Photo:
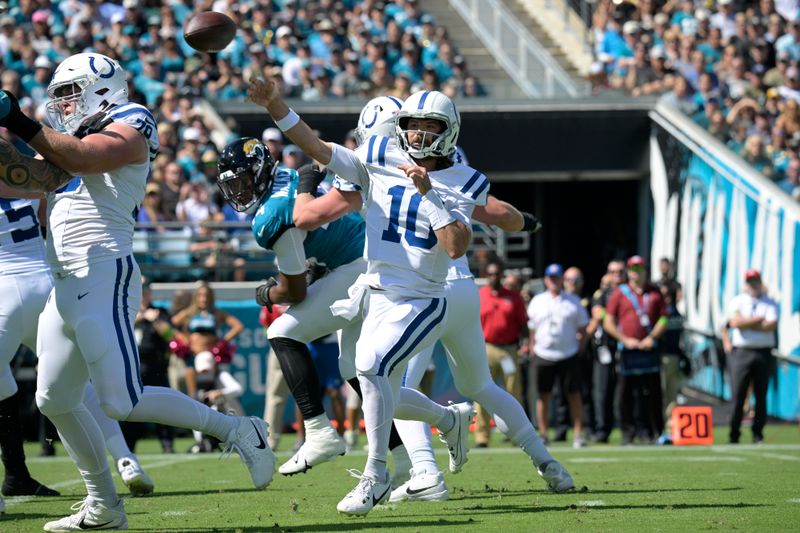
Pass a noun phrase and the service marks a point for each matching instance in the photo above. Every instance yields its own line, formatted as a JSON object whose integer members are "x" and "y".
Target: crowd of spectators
{"x": 731, "y": 65}
{"x": 317, "y": 48}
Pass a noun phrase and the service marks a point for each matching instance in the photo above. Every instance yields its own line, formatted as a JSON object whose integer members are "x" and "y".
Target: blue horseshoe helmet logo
{"x": 110, "y": 66}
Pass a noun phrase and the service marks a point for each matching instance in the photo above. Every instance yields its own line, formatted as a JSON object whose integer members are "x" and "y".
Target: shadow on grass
{"x": 489, "y": 494}
{"x": 350, "y": 524}
{"x": 482, "y": 509}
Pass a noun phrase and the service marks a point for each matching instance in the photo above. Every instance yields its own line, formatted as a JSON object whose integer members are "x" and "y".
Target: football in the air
{"x": 209, "y": 31}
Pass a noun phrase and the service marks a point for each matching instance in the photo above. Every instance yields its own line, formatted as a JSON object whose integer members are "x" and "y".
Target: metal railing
{"x": 525, "y": 60}
{"x": 226, "y": 251}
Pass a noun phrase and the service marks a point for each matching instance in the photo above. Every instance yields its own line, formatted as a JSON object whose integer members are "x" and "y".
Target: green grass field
{"x": 720, "y": 488}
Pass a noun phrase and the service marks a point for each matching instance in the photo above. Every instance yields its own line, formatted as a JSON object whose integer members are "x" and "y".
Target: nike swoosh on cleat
{"x": 376, "y": 501}
{"x": 84, "y": 525}
{"x": 80, "y": 296}
{"x": 261, "y": 444}
{"x": 412, "y": 492}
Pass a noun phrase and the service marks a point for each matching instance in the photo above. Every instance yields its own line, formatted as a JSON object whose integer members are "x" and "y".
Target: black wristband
{"x": 530, "y": 223}
{"x": 262, "y": 294}
{"x": 309, "y": 178}
{"x": 24, "y": 127}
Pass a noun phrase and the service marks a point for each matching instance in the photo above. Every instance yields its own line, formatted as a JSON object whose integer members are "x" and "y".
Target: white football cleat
{"x": 91, "y": 515}
{"x": 249, "y": 439}
{"x": 366, "y": 495}
{"x": 134, "y": 477}
{"x": 556, "y": 476}
{"x": 456, "y": 438}
{"x": 422, "y": 487}
{"x": 320, "y": 446}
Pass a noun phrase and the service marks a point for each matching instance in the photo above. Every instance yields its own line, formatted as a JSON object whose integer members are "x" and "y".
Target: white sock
{"x": 417, "y": 440}
{"x": 512, "y": 420}
{"x": 414, "y": 405}
{"x": 318, "y": 423}
{"x": 112, "y": 433}
{"x": 167, "y": 406}
{"x": 118, "y": 448}
{"x": 402, "y": 462}
{"x": 378, "y": 408}
{"x": 83, "y": 440}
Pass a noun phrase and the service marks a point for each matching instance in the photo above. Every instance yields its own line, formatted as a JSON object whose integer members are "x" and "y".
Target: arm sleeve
{"x": 230, "y": 387}
{"x": 346, "y": 164}
{"x": 289, "y": 252}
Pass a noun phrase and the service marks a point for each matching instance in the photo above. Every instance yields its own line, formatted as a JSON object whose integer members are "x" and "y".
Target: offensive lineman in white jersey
{"x": 94, "y": 174}
{"x": 402, "y": 290}
{"x": 26, "y": 282}
{"x": 465, "y": 345}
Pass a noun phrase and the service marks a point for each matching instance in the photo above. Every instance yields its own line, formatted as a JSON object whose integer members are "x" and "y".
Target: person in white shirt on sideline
{"x": 753, "y": 318}
{"x": 557, "y": 335}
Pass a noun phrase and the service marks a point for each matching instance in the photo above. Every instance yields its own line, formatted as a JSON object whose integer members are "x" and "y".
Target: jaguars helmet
{"x": 429, "y": 105}
{"x": 84, "y": 85}
{"x": 377, "y": 118}
{"x": 244, "y": 172}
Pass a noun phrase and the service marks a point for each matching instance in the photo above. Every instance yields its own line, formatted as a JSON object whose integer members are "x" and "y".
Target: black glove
{"x": 315, "y": 270}
{"x": 310, "y": 178}
{"x": 16, "y": 121}
{"x": 531, "y": 224}
{"x": 262, "y": 293}
{"x": 93, "y": 124}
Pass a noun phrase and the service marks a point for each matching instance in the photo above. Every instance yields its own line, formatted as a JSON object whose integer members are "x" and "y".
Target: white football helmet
{"x": 82, "y": 86}
{"x": 430, "y": 105}
{"x": 377, "y": 118}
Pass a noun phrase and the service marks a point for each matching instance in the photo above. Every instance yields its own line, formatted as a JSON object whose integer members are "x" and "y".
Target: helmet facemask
{"x": 429, "y": 144}
{"x": 67, "y": 108}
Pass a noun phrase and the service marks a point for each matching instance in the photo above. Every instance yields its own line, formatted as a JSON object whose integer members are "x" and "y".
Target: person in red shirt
{"x": 636, "y": 316}
{"x": 504, "y": 320}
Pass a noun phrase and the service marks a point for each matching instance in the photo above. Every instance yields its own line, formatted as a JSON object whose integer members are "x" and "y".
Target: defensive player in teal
{"x": 248, "y": 176}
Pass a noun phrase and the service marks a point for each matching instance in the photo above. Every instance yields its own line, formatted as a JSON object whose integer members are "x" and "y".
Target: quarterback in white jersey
{"x": 416, "y": 222}
{"x": 94, "y": 173}
{"x": 465, "y": 348}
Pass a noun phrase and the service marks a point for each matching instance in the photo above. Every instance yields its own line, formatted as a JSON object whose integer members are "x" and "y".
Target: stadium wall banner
{"x": 716, "y": 217}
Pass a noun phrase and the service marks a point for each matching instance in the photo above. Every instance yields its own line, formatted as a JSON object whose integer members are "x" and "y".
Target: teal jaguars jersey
{"x": 335, "y": 244}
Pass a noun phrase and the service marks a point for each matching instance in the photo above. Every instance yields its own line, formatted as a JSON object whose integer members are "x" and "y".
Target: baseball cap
{"x": 554, "y": 270}
{"x": 272, "y": 134}
{"x": 130, "y": 4}
{"x": 752, "y": 275}
{"x": 630, "y": 27}
{"x": 724, "y": 2}
{"x": 283, "y": 31}
{"x": 40, "y": 15}
{"x": 204, "y": 361}
{"x": 657, "y": 52}
{"x": 292, "y": 150}
{"x": 636, "y": 260}
{"x": 42, "y": 62}
{"x": 191, "y": 134}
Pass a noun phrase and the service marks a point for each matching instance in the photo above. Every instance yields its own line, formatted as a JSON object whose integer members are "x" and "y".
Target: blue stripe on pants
{"x": 120, "y": 337}
{"x": 413, "y": 346}
{"x": 128, "y": 328}
{"x": 418, "y": 320}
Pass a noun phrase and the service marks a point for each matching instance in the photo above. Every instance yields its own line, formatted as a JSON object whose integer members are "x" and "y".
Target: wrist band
{"x": 432, "y": 207}
{"x": 289, "y": 121}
